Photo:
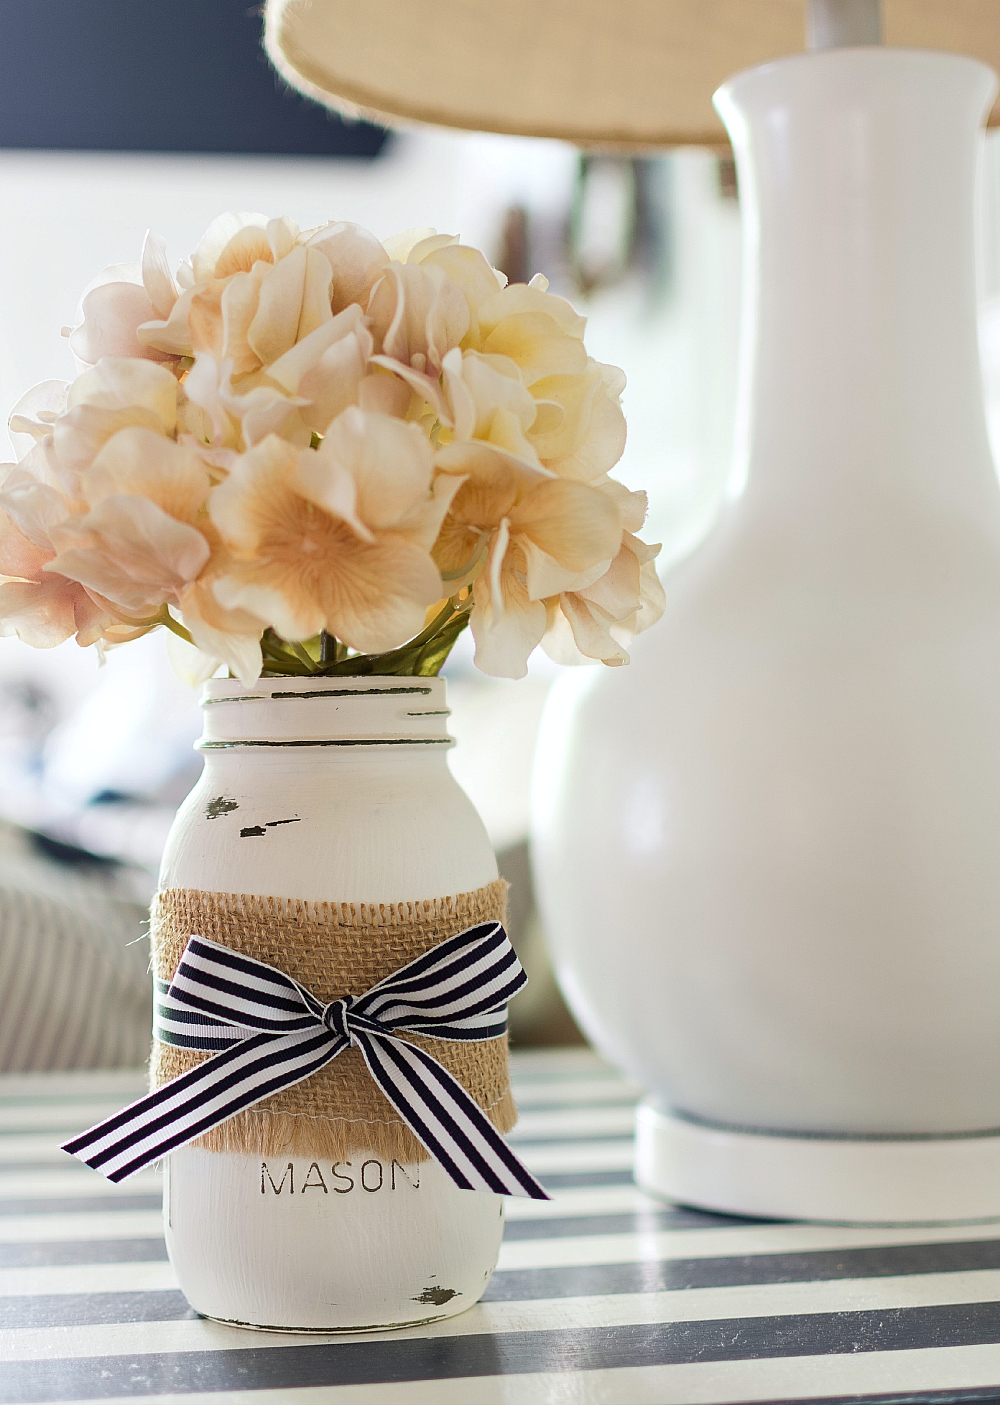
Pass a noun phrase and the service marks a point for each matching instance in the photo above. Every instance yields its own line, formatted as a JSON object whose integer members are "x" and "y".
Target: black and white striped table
{"x": 603, "y": 1296}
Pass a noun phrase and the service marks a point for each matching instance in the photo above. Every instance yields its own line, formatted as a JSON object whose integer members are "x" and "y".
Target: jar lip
{"x": 377, "y": 710}
{"x": 291, "y": 689}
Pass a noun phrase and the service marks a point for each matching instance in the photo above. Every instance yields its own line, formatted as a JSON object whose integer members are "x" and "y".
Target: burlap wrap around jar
{"x": 333, "y": 950}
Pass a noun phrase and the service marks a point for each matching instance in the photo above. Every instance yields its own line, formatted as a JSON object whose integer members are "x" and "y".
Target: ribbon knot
{"x": 335, "y": 1016}
{"x": 267, "y": 1032}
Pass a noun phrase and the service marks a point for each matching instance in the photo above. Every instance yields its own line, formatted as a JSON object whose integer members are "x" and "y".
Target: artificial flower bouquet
{"x": 315, "y": 453}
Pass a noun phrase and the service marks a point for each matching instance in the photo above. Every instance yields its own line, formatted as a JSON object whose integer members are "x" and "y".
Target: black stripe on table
{"x": 920, "y": 1397}
{"x": 512, "y": 1353}
{"x": 746, "y": 1270}
{"x": 525, "y": 1285}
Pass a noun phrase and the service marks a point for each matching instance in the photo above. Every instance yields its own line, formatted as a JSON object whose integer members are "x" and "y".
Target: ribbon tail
{"x": 196, "y": 1101}
{"x": 445, "y": 1119}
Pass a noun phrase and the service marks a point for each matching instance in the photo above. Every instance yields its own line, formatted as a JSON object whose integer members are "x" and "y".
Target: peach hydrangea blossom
{"x": 314, "y": 451}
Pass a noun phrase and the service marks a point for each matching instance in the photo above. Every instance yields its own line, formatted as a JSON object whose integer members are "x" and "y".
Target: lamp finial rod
{"x": 843, "y": 24}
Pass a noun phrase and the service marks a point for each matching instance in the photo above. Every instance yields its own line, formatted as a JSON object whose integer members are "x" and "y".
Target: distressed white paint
{"x": 342, "y": 823}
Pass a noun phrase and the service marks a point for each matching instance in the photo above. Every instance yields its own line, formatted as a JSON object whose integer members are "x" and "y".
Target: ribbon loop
{"x": 267, "y": 1032}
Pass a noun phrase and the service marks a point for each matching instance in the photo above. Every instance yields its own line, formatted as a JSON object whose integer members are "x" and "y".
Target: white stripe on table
{"x": 59, "y": 1118}
{"x": 559, "y": 1063}
{"x": 111, "y": 1083}
{"x": 85, "y": 1224}
{"x": 712, "y": 1383}
{"x": 58, "y": 1182}
{"x": 133, "y": 1277}
{"x": 575, "y": 1122}
{"x": 593, "y": 1091}
{"x": 560, "y": 1157}
{"x": 35, "y": 1146}
{"x": 539, "y": 1315}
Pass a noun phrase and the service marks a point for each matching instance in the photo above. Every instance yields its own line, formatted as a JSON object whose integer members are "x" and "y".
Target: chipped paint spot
{"x": 252, "y": 830}
{"x": 221, "y": 805}
{"x": 436, "y": 1297}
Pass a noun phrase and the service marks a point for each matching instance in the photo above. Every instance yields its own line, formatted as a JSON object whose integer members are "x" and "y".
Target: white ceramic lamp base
{"x": 876, "y": 1180}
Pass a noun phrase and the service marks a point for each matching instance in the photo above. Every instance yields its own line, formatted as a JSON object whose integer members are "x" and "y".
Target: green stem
{"x": 175, "y": 626}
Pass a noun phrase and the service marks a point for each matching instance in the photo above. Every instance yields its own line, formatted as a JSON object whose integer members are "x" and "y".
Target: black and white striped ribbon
{"x": 267, "y": 1031}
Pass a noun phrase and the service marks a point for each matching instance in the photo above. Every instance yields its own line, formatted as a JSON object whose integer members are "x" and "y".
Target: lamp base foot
{"x": 853, "y": 1180}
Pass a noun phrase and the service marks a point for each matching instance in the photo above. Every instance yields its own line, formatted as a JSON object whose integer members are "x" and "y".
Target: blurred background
{"x": 117, "y": 117}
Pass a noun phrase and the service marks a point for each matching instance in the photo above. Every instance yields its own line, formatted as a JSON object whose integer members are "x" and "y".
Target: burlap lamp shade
{"x": 614, "y": 73}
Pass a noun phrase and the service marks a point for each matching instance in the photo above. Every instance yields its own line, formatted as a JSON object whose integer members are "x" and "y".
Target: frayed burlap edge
{"x": 334, "y": 949}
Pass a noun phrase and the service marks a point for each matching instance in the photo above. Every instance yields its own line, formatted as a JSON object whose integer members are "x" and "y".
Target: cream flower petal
{"x": 238, "y": 306}
{"x": 545, "y": 577}
{"x": 293, "y": 614}
{"x": 275, "y": 326}
{"x": 504, "y": 640}
{"x": 265, "y": 411}
{"x": 139, "y": 462}
{"x": 239, "y": 650}
{"x": 537, "y": 344}
{"x": 315, "y": 294}
{"x": 426, "y": 386}
{"x": 400, "y": 246}
{"x": 652, "y": 597}
{"x": 616, "y": 590}
{"x": 79, "y": 435}
{"x": 356, "y": 258}
{"x": 41, "y": 614}
{"x": 282, "y": 234}
{"x": 461, "y": 403}
{"x": 592, "y": 631}
{"x": 494, "y": 572}
{"x": 417, "y": 315}
{"x": 390, "y": 461}
{"x": 118, "y": 384}
{"x": 172, "y": 336}
{"x": 633, "y": 506}
{"x": 517, "y": 299}
{"x": 378, "y": 596}
{"x": 469, "y": 271}
{"x": 189, "y": 663}
{"x": 48, "y": 398}
{"x": 218, "y": 234}
{"x": 384, "y": 395}
{"x": 330, "y": 486}
{"x": 156, "y": 276}
{"x": 112, "y": 316}
{"x": 334, "y": 382}
{"x": 254, "y": 501}
{"x": 36, "y": 508}
{"x": 574, "y": 524}
{"x": 289, "y": 369}
{"x": 422, "y": 524}
{"x": 130, "y": 551}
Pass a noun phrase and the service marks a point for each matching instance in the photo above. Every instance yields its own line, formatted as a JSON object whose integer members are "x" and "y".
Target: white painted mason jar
{"x": 361, "y": 765}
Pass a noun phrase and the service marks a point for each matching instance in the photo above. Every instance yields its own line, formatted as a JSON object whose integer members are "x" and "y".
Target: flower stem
{"x": 175, "y": 626}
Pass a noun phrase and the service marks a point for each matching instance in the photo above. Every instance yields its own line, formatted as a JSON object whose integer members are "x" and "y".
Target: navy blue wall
{"x": 155, "y": 75}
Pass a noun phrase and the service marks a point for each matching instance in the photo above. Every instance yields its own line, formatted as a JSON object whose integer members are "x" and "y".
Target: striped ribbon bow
{"x": 267, "y": 1032}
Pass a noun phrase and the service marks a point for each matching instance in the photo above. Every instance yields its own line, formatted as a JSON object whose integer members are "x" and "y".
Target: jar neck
{"x": 325, "y": 715}
{"x": 860, "y": 375}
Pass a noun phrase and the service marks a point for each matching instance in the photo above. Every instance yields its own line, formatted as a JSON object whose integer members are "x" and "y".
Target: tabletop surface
{"x": 602, "y": 1295}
